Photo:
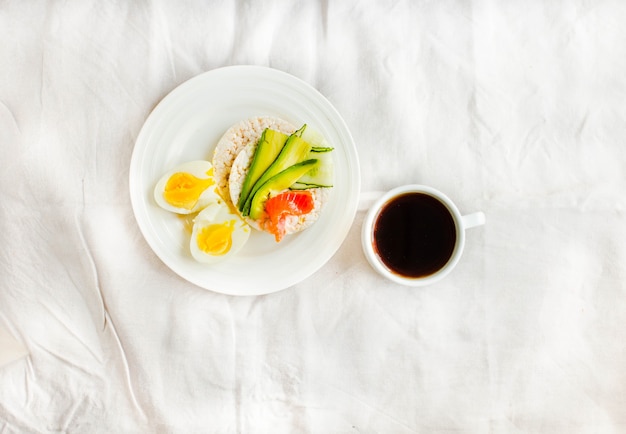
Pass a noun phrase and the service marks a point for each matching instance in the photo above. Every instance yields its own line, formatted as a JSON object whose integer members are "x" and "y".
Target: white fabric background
{"x": 515, "y": 108}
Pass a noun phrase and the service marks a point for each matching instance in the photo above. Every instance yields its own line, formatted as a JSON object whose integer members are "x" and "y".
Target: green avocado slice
{"x": 279, "y": 182}
{"x": 294, "y": 151}
{"x": 268, "y": 148}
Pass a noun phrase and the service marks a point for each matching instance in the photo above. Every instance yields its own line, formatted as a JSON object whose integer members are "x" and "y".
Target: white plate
{"x": 187, "y": 124}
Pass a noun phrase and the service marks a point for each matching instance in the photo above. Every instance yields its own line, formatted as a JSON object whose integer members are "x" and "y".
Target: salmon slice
{"x": 283, "y": 205}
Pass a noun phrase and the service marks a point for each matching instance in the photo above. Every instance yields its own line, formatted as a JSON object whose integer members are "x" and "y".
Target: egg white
{"x": 218, "y": 213}
{"x": 199, "y": 169}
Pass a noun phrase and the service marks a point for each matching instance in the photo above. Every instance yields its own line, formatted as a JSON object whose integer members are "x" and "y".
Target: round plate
{"x": 187, "y": 124}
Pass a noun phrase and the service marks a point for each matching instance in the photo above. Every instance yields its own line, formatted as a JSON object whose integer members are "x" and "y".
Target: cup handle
{"x": 472, "y": 220}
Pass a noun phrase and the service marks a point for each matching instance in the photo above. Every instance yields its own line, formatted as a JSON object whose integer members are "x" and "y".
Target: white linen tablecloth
{"x": 515, "y": 108}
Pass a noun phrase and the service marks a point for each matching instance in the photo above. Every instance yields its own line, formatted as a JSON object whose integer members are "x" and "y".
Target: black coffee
{"x": 414, "y": 235}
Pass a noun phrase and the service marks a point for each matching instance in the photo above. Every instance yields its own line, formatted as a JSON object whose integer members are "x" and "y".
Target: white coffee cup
{"x": 455, "y": 230}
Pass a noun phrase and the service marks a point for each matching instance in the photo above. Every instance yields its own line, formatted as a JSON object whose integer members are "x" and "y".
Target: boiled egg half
{"x": 187, "y": 188}
{"x": 218, "y": 233}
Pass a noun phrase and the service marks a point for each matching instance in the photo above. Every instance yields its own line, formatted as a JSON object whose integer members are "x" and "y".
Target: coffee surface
{"x": 414, "y": 235}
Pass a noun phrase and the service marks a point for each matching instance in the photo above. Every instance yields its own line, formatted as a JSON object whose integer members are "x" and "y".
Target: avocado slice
{"x": 294, "y": 151}
{"x": 268, "y": 148}
{"x": 279, "y": 182}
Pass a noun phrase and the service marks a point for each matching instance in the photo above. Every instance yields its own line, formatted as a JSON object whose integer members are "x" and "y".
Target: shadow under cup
{"x": 415, "y": 235}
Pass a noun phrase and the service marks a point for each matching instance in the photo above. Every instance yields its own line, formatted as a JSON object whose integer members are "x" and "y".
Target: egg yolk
{"x": 183, "y": 190}
{"x": 216, "y": 239}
